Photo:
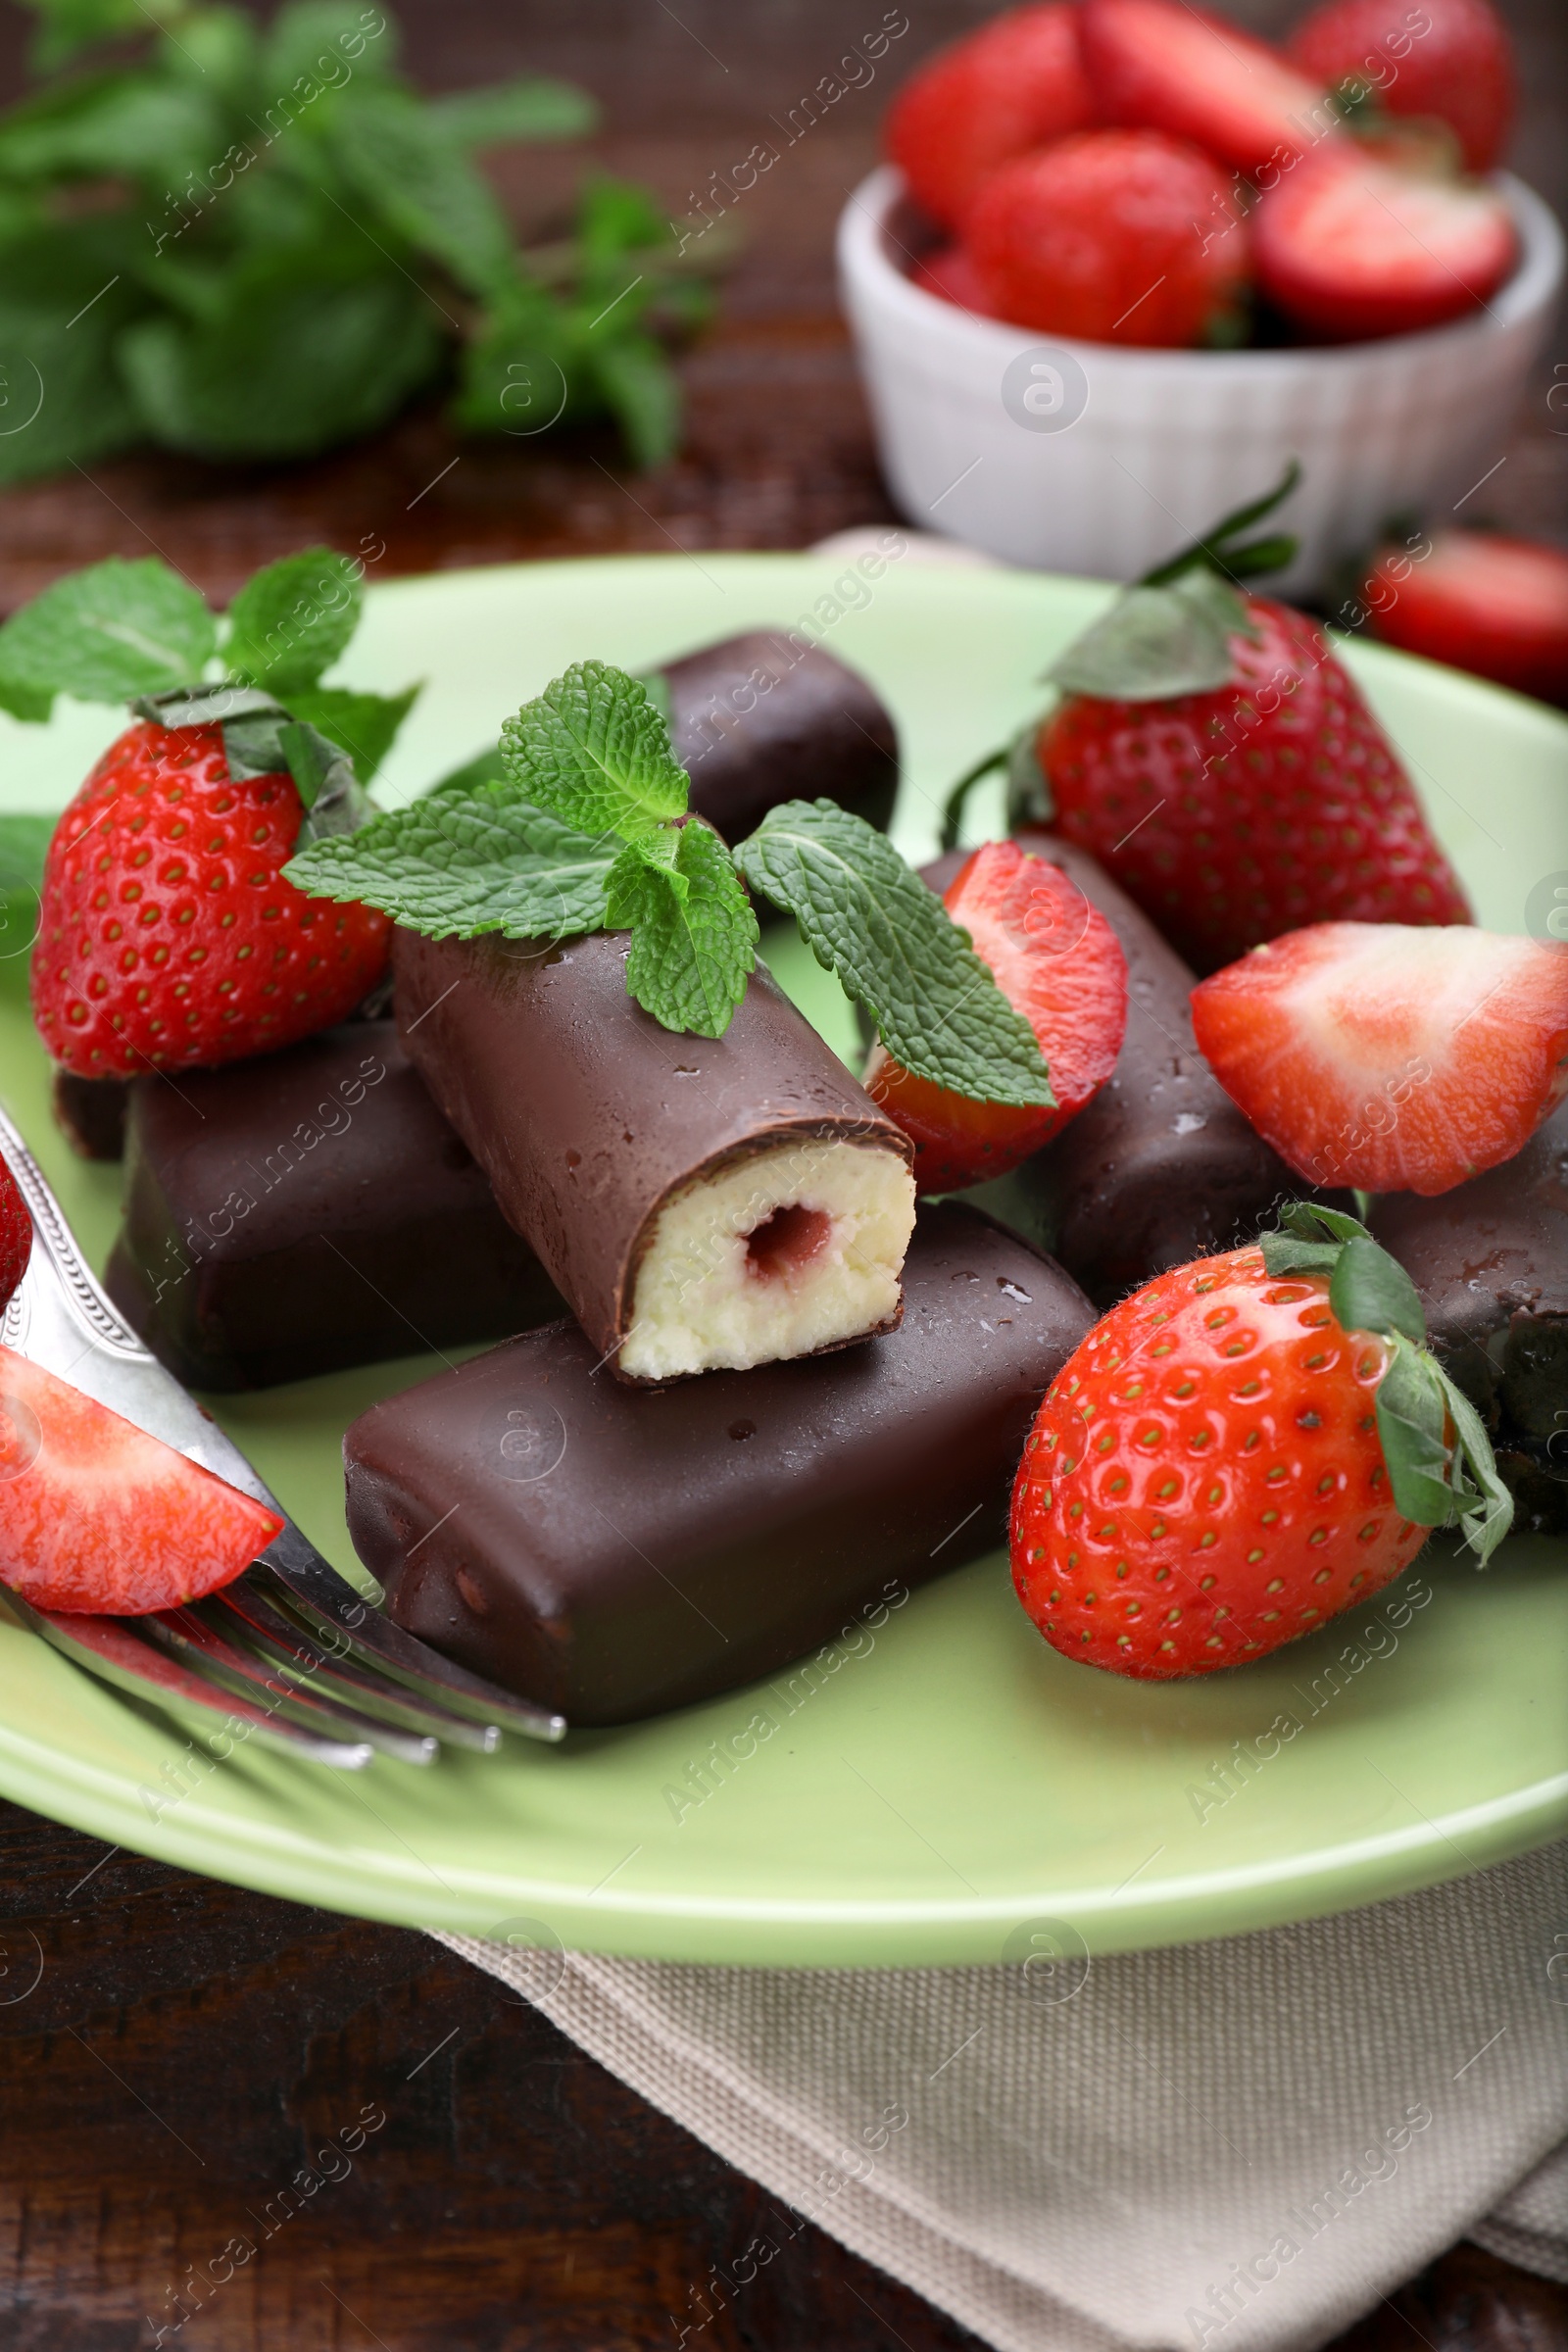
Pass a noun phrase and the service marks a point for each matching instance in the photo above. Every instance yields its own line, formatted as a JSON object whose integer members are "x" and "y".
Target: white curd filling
{"x": 780, "y": 1255}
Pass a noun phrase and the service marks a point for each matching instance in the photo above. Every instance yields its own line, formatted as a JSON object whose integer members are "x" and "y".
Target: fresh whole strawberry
{"x": 1239, "y": 1450}
{"x": 1168, "y": 67}
{"x": 1016, "y": 83}
{"x": 167, "y": 933}
{"x": 16, "y": 1234}
{"x": 1215, "y": 758}
{"x": 1396, "y": 1061}
{"x": 1112, "y": 236}
{"x": 1060, "y": 963}
{"x": 1451, "y": 58}
{"x": 1366, "y": 238}
{"x": 1482, "y": 602}
{"x": 97, "y": 1516}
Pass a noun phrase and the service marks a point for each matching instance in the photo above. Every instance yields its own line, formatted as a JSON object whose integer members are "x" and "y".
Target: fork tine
{"x": 109, "y": 1650}
{"x": 243, "y": 1613}
{"x": 329, "y": 1604}
{"x": 196, "y": 1645}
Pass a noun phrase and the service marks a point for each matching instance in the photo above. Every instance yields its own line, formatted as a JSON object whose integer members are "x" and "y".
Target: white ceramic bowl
{"x": 1089, "y": 457}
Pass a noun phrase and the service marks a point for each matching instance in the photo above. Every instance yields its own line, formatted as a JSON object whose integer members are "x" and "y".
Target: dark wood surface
{"x": 173, "y": 2051}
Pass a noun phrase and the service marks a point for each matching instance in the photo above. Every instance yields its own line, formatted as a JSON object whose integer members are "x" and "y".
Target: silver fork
{"x": 290, "y": 1651}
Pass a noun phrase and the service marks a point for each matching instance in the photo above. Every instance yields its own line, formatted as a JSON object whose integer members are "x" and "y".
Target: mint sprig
{"x": 1440, "y": 1460}
{"x": 866, "y": 916}
{"x": 587, "y": 829}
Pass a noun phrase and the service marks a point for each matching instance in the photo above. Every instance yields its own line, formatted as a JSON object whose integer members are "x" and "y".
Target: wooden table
{"x": 173, "y": 2051}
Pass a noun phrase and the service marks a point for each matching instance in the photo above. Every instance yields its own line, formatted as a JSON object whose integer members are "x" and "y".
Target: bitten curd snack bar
{"x": 699, "y": 1202}
{"x": 613, "y": 1551}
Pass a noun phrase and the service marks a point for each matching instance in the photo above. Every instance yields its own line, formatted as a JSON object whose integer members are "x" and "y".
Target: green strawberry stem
{"x": 1440, "y": 1459}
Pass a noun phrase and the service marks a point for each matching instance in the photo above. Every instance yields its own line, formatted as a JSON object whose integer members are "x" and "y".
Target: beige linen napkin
{"x": 1243, "y": 2143}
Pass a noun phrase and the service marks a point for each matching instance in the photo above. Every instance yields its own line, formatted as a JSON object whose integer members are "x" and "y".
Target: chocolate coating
{"x": 587, "y": 1117}
{"x": 1160, "y": 1167}
{"x": 90, "y": 1114}
{"x": 616, "y": 1552}
{"x": 1490, "y": 1260}
{"x": 307, "y": 1211}
{"x": 763, "y": 718}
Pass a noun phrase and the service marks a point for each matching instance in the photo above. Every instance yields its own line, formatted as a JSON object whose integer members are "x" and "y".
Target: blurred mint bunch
{"x": 247, "y": 242}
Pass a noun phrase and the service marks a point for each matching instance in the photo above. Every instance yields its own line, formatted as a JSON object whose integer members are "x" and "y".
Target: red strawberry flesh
{"x": 1204, "y": 1480}
{"x": 16, "y": 1234}
{"x": 1390, "y": 1059}
{"x": 1356, "y": 243}
{"x": 1058, "y": 962}
{"x": 1482, "y": 602}
{"x": 1168, "y": 67}
{"x": 96, "y": 1516}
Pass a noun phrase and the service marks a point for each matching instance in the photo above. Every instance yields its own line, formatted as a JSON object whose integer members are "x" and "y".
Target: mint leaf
{"x": 642, "y": 392}
{"x": 293, "y": 619}
{"x": 867, "y": 917}
{"x": 693, "y": 932}
{"x": 593, "y": 751}
{"x": 115, "y": 630}
{"x": 365, "y": 724}
{"x": 461, "y": 864}
{"x": 514, "y": 112}
{"x": 421, "y": 181}
{"x": 483, "y": 768}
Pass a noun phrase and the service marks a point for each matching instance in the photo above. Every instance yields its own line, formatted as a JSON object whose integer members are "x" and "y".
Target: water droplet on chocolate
{"x": 742, "y": 1429}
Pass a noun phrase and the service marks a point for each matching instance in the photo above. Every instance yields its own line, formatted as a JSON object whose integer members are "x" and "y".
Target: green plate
{"x": 943, "y": 1787}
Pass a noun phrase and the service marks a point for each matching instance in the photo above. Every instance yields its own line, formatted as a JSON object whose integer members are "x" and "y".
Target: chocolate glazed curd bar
{"x": 1160, "y": 1167}
{"x": 613, "y": 1551}
{"x": 765, "y": 717}
{"x": 307, "y": 1211}
{"x": 699, "y": 1202}
{"x": 1490, "y": 1260}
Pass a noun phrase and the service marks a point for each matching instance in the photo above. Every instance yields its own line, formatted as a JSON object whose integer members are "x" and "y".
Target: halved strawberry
{"x": 1014, "y": 85}
{"x": 1449, "y": 58}
{"x": 1060, "y": 963}
{"x": 1395, "y": 1059}
{"x": 1377, "y": 237}
{"x": 16, "y": 1234}
{"x": 1486, "y": 602}
{"x": 1165, "y": 65}
{"x": 96, "y": 1516}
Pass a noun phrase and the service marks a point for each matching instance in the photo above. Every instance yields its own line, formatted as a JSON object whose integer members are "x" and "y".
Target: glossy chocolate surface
{"x": 307, "y": 1211}
{"x": 586, "y": 1114}
{"x": 1490, "y": 1260}
{"x": 765, "y": 718}
{"x": 90, "y": 1114}
{"x": 1160, "y": 1167}
{"x": 616, "y": 1552}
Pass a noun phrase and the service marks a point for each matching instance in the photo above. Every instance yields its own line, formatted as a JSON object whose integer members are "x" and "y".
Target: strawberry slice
{"x": 16, "y": 1234}
{"x": 1395, "y": 1059}
{"x": 1377, "y": 237}
{"x": 97, "y": 1517}
{"x": 1486, "y": 602}
{"x": 1058, "y": 962}
{"x": 1164, "y": 65}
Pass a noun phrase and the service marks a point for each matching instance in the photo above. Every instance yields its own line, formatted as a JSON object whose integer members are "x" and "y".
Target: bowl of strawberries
{"x": 1127, "y": 261}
